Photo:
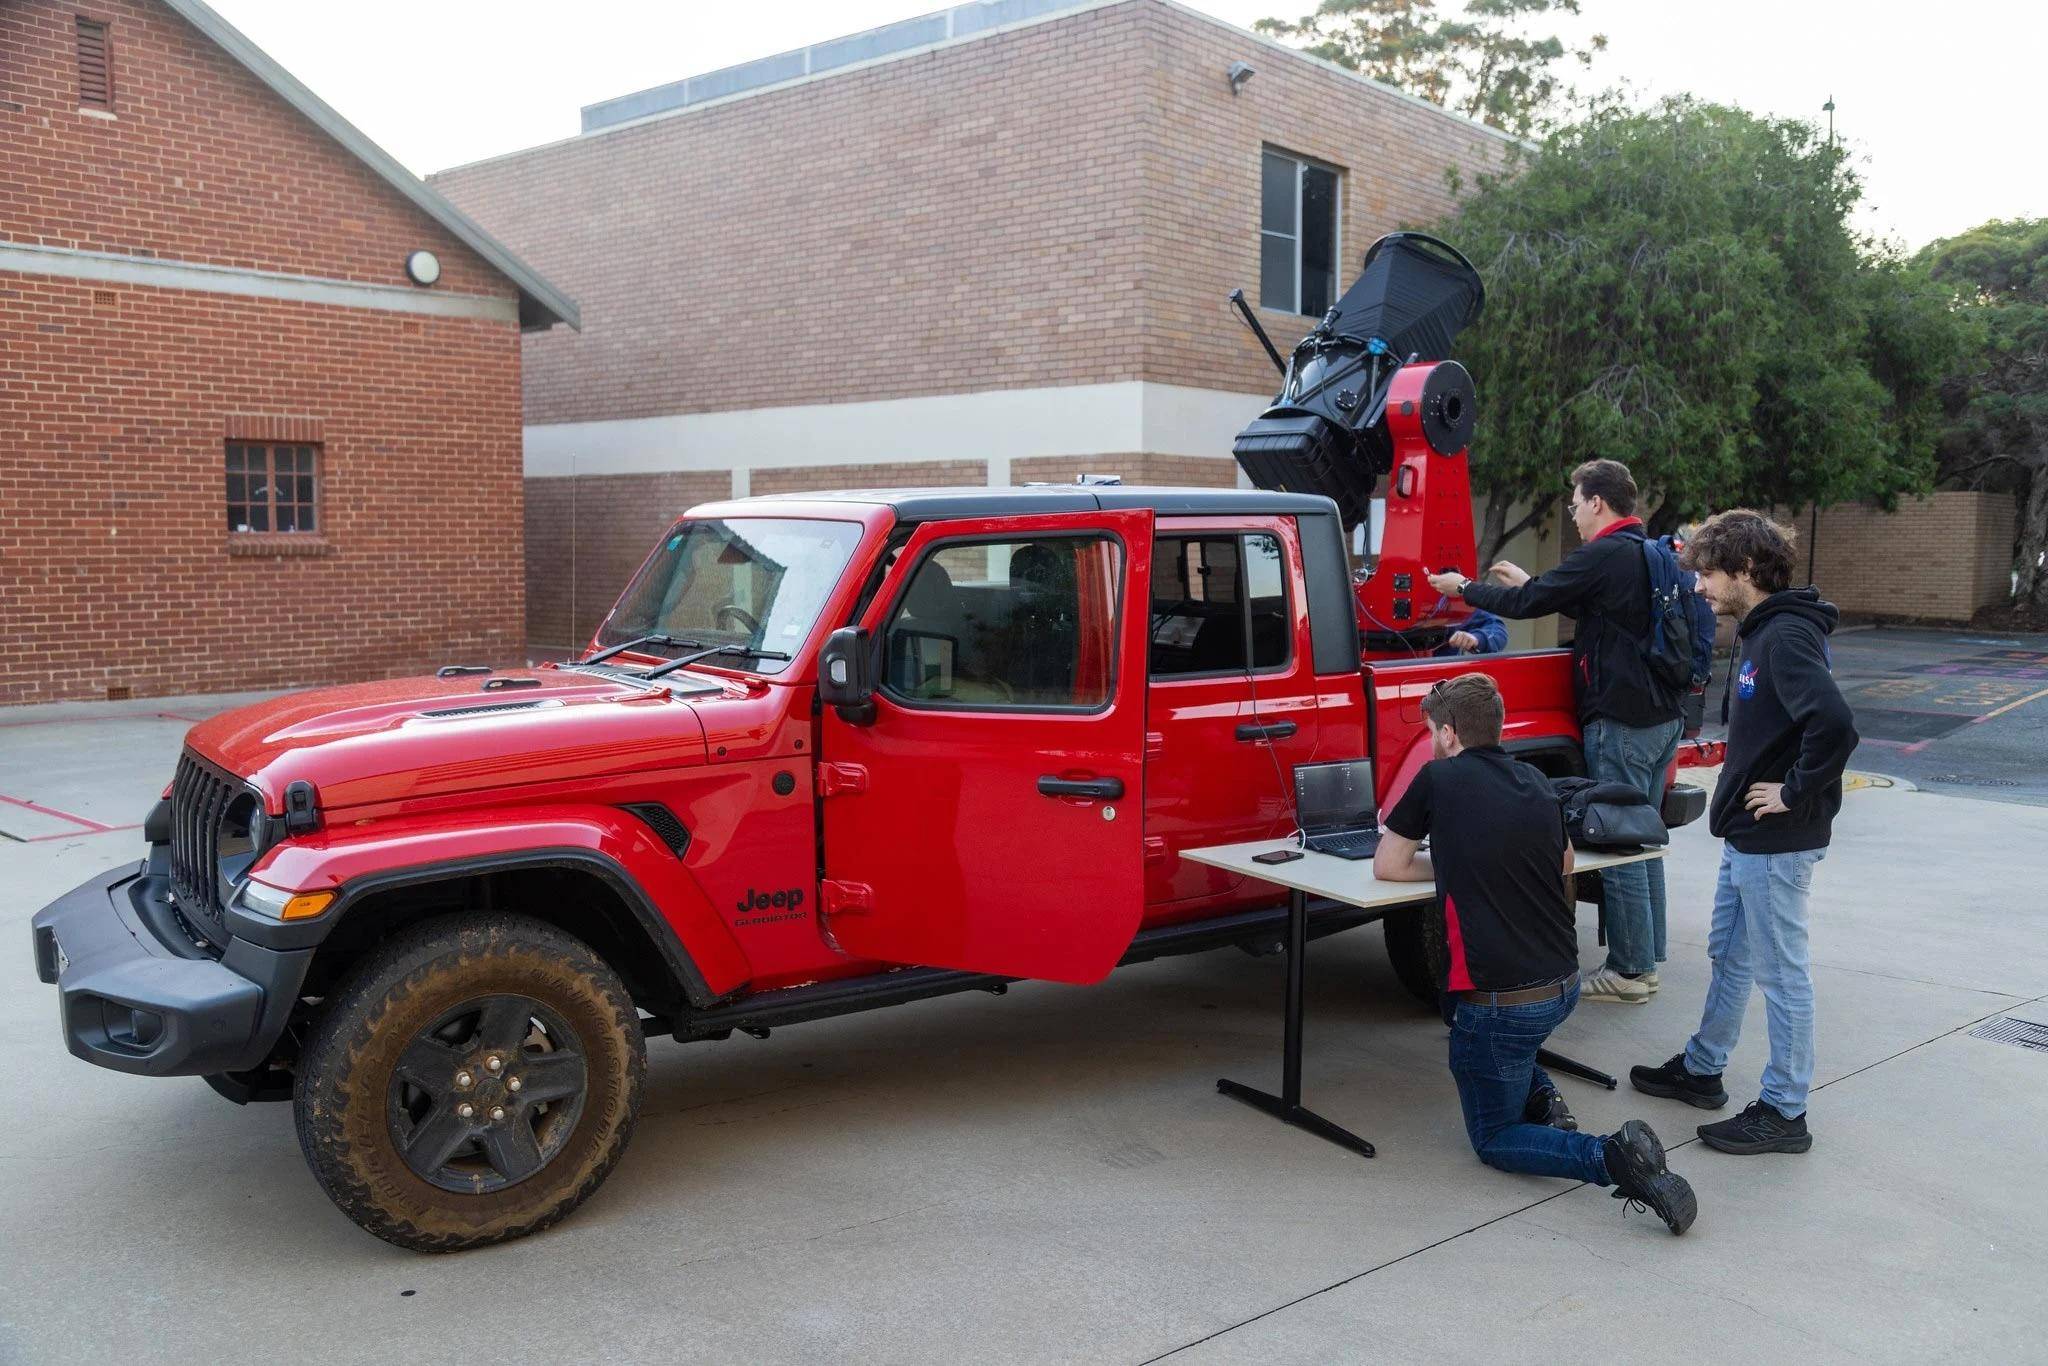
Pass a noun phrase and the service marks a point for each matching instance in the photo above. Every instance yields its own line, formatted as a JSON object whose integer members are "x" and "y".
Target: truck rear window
{"x": 1210, "y": 592}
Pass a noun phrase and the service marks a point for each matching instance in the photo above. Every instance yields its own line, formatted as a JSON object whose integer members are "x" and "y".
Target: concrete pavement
{"x": 1052, "y": 1177}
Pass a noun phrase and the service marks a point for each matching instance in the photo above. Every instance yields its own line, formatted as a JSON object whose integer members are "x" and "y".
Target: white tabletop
{"x": 1351, "y": 880}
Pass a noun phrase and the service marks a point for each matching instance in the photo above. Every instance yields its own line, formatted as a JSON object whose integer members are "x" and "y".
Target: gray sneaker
{"x": 1609, "y": 985}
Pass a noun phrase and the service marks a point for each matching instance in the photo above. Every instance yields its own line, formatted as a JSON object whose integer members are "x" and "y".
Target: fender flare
{"x": 696, "y": 946}
{"x": 675, "y": 957}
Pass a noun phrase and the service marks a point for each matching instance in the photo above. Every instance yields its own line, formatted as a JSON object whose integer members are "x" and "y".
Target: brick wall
{"x": 941, "y": 224}
{"x": 1066, "y": 203}
{"x": 200, "y": 161}
{"x": 1190, "y": 471}
{"x": 1199, "y": 186}
{"x": 117, "y": 570}
{"x": 1938, "y": 558}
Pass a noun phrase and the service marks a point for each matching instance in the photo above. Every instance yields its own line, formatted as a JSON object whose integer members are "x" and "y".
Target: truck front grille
{"x": 202, "y": 795}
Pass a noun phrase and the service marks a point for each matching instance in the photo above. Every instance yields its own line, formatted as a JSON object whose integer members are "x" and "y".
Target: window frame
{"x": 318, "y": 506}
{"x": 1111, "y": 681}
{"x": 1302, "y": 165}
{"x": 1286, "y": 666}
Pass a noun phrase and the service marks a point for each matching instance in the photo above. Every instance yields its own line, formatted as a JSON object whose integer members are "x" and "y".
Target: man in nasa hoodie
{"x": 1789, "y": 735}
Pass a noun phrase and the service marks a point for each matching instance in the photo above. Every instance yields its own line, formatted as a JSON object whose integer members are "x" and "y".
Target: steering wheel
{"x": 750, "y": 623}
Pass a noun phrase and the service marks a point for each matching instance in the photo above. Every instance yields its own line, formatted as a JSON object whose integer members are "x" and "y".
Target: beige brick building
{"x": 989, "y": 245}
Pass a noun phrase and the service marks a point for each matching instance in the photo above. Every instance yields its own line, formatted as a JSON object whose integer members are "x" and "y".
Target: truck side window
{"x": 1024, "y": 623}
{"x": 1206, "y": 591}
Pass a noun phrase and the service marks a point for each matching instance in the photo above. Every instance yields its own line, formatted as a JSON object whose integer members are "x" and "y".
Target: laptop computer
{"x": 1334, "y": 806}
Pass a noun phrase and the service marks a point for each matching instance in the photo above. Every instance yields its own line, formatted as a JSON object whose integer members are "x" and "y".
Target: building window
{"x": 95, "y": 66}
{"x": 1297, "y": 234}
{"x": 273, "y": 487}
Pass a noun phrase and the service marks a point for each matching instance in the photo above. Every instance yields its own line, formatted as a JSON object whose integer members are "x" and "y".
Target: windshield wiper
{"x": 742, "y": 651}
{"x": 674, "y": 642}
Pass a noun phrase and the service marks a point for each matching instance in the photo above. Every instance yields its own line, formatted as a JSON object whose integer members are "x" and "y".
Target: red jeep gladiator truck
{"x": 827, "y": 753}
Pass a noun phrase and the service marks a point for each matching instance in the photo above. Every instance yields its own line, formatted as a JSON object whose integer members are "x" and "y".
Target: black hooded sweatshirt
{"x": 1787, "y": 723}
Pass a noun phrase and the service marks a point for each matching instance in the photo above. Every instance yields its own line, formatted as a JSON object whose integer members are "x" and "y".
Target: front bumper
{"x": 134, "y": 995}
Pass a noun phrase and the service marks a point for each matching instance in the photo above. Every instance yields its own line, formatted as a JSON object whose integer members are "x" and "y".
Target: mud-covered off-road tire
{"x": 343, "y": 1101}
{"x": 1417, "y": 949}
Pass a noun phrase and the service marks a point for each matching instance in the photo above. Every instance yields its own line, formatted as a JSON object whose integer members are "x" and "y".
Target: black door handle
{"x": 1108, "y": 788}
{"x": 1279, "y": 730}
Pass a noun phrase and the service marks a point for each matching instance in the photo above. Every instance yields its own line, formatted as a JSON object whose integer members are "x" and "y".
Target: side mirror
{"x": 846, "y": 675}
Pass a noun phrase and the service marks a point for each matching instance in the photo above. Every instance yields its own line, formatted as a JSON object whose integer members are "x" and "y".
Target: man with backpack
{"x": 1633, "y": 659}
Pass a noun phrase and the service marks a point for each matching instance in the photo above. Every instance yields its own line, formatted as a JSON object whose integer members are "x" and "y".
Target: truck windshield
{"x": 753, "y": 582}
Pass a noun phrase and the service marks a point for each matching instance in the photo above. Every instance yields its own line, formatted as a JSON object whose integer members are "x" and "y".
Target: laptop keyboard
{"x": 1358, "y": 844}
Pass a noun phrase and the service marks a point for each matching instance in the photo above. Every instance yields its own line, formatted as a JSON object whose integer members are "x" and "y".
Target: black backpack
{"x": 1669, "y": 651}
{"x": 1609, "y": 816}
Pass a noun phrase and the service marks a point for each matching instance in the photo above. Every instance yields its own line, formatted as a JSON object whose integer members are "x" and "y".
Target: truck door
{"x": 1234, "y": 698}
{"x": 990, "y": 817}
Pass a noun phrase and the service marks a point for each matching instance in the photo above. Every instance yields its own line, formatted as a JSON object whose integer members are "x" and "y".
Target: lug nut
{"x": 465, "y": 1109}
{"x": 513, "y": 1083}
{"x": 497, "y": 1112}
{"x": 463, "y": 1079}
{"x": 493, "y": 1063}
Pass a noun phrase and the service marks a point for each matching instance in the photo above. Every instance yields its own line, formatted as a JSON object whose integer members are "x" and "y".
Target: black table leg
{"x": 1571, "y": 1067}
{"x": 1287, "y": 1106}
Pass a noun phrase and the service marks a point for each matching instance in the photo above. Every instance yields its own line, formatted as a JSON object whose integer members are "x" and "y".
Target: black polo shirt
{"x": 1496, "y": 838}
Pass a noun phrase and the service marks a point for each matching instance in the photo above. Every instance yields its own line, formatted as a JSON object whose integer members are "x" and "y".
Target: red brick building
{"x": 259, "y": 386}
{"x": 986, "y": 245}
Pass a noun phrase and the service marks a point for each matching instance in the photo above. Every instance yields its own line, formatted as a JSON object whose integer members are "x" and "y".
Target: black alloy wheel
{"x": 487, "y": 1095}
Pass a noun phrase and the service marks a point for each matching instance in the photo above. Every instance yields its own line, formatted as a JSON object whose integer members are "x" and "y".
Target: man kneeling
{"x": 1500, "y": 855}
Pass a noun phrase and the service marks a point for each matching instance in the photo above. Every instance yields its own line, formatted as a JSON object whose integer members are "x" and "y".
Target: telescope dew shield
{"x": 1326, "y": 431}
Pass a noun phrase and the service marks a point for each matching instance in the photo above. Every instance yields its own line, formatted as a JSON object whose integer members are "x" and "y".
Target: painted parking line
{"x": 92, "y": 825}
{"x": 104, "y": 720}
{"x": 72, "y": 834}
{"x": 2013, "y": 705}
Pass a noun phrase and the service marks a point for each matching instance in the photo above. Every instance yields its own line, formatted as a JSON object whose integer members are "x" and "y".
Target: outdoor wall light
{"x": 423, "y": 267}
{"x": 1238, "y": 74}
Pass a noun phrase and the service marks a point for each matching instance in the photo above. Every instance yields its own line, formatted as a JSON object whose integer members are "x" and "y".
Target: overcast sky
{"x": 1941, "y": 102}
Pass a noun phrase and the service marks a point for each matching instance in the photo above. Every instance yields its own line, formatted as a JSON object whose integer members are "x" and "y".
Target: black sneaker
{"x": 1673, "y": 1082}
{"x": 1547, "y": 1108}
{"x": 1758, "y": 1129}
{"x": 1635, "y": 1159}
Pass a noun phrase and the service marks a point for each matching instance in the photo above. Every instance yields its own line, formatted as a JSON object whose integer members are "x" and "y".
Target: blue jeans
{"x": 1759, "y": 938}
{"x": 1493, "y": 1060}
{"x": 1634, "y": 892}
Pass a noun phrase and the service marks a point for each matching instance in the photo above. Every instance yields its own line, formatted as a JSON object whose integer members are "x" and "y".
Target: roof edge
{"x": 1336, "y": 69}
{"x": 541, "y": 305}
{"x": 1080, "y": 7}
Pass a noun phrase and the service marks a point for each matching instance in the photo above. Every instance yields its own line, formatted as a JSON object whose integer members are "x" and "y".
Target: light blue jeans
{"x": 1759, "y": 938}
{"x": 1634, "y": 892}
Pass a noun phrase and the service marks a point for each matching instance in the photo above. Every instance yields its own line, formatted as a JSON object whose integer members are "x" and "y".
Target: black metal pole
{"x": 1286, "y": 1107}
{"x": 1297, "y": 980}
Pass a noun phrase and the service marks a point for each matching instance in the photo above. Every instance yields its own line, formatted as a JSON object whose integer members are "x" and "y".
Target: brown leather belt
{"x": 1524, "y": 996}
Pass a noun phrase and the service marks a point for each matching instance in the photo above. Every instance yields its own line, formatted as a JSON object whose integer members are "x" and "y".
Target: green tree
{"x": 1997, "y": 404}
{"x": 1481, "y": 63}
{"x": 1677, "y": 288}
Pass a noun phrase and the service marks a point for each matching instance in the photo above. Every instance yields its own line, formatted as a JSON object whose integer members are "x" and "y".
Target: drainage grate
{"x": 2019, "y": 1033}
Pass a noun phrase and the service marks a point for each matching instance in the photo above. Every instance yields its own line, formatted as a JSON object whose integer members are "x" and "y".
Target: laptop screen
{"x": 1334, "y": 796}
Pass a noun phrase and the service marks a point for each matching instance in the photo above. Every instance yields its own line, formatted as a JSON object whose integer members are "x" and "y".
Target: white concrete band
{"x": 997, "y": 426}
{"x": 109, "y": 267}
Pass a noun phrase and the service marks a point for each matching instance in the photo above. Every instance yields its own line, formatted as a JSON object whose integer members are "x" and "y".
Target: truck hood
{"x": 414, "y": 738}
